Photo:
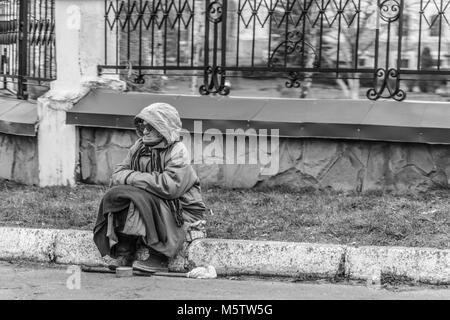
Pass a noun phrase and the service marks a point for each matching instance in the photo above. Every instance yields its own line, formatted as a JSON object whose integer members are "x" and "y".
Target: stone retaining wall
{"x": 337, "y": 164}
{"x": 19, "y": 158}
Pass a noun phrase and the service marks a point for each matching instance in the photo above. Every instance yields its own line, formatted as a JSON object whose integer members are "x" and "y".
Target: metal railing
{"x": 27, "y": 46}
{"x": 385, "y": 42}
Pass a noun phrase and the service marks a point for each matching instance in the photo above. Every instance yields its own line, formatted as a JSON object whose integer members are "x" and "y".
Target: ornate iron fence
{"x": 27, "y": 45}
{"x": 385, "y": 42}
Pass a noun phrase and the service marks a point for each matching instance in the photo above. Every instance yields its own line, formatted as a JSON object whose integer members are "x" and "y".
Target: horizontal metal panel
{"x": 18, "y": 117}
{"x": 339, "y": 119}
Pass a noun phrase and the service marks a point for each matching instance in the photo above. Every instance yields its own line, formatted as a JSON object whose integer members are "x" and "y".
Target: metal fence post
{"x": 4, "y": 62}
{"x": 23, "y": 50}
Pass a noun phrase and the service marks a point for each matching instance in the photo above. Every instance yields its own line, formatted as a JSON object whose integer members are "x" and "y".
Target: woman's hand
{"x": 122, "y": 177}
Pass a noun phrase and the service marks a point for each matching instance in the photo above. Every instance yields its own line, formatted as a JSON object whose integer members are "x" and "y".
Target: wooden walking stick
{"x": 91, "y": 269}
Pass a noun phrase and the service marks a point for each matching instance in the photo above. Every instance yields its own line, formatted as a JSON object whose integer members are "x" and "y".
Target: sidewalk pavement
{"x": 244, "y": 257}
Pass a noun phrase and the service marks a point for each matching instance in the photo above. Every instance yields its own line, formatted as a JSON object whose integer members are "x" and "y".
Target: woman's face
{"x": 146, "y": 128}
{"x": 149, "y": 132}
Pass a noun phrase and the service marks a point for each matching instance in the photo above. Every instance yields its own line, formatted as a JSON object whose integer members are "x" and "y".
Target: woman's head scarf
{"x": 164, "y": 118}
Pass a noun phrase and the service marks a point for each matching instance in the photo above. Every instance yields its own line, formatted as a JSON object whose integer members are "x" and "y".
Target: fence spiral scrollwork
{"x": 390, "y": 83}
{"x": 390, "y": 10}
{"x": 215, "y": 11}
{"x": 215, "y": 82}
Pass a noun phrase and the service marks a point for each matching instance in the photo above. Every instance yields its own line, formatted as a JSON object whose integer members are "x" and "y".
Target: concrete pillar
{"x": 80, "y": 41}
{"x": 79, "y": 28}
{"x": 57, "y": 143}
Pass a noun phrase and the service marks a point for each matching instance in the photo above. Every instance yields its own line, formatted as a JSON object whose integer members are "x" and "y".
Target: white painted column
{"x": 57, "y": 144}
{"x": 79, "y": 29}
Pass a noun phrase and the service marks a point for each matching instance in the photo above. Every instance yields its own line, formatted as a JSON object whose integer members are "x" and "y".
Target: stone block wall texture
{"x": 318, "y": 163}
{"x": 19, "y": 159}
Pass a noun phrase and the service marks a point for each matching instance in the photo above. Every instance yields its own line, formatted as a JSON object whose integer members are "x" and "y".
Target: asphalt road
{"x": 20, "y": 280}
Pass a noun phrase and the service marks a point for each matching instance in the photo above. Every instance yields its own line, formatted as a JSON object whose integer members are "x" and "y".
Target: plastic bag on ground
{"x": 208, "y": 272}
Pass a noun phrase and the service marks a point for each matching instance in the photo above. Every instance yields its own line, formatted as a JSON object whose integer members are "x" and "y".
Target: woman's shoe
{"x": 124, "y": 251}
{"x": 154, "y": 263}
{"x": 121, "y": 261}
{"x": 142, "y": 253}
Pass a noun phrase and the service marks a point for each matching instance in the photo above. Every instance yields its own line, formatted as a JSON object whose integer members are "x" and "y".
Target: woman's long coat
{"x": 178, "y": 180}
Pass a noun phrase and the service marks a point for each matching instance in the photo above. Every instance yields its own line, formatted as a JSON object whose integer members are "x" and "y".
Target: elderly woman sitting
{"x": 155, "y": 191}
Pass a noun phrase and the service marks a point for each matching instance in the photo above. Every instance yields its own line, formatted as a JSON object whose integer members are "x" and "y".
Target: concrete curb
{"x": 49, "y": 245}
{"x": 426, "y": 265}
{"x": 231, "y": 257}
{"x": 30, "y": 244}
{"x": 243, "y": 257}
